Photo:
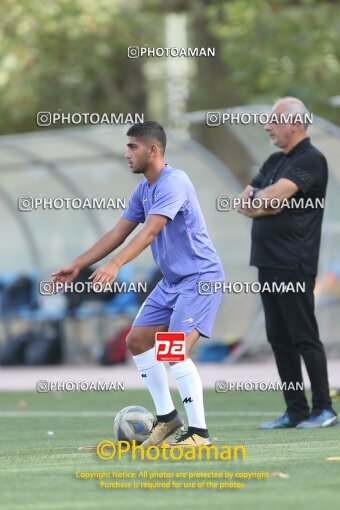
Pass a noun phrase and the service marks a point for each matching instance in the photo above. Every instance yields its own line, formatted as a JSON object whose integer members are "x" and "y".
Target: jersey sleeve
{"x": 169, "y": 198}
{"x": 307, "y": 172}
{"x": 258, "y": 178}
{"x": 135, "y": 210}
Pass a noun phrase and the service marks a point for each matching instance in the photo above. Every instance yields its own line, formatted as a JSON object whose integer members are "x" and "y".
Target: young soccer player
{"x": 165, "y": 202}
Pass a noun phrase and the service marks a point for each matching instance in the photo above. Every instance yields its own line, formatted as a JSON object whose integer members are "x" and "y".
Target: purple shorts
{"x": 180, "y": 310}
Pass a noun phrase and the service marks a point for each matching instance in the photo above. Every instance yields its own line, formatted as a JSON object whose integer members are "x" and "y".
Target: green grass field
{"x": 38, "y": 470}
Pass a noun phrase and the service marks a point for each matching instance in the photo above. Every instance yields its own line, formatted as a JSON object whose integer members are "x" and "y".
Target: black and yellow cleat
{"x": 161, "y": 430}
{"x": 190, "y": 438}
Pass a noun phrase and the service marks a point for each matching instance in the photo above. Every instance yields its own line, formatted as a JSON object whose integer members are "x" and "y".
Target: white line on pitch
{"x": 98, "y": 414}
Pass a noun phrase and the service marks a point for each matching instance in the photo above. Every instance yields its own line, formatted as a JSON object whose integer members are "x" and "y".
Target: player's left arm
{"x": 108, "y": 272}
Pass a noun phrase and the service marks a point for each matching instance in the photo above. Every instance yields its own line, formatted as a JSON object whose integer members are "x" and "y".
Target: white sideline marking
{"x": 104, "y": 414}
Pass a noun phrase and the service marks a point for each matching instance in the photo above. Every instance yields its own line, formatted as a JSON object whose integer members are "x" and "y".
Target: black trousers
{"x": 292, "y": 331}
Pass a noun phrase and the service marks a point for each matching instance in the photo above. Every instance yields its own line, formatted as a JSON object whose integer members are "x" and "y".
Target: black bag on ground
{"x": 45, "y": 348}
{"x": 13, "y": 352}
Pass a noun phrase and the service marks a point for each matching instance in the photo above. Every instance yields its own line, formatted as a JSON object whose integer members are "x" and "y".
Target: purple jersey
{"x": 182, "y": 250}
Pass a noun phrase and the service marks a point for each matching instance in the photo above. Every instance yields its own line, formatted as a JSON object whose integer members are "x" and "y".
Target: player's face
{"x": 280, "y": 133}
{"x": 138, "y": 155}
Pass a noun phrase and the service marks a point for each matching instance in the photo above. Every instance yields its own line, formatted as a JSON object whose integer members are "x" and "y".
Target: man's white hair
{"x": 295, "y": 106}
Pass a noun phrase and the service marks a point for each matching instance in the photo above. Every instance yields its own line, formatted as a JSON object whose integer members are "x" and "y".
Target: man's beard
{"x": 140, "y": 167}
{"x": 138, "y": 171}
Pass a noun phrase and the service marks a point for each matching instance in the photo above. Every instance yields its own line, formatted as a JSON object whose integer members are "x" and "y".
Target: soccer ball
{"x": 133, "y": 423}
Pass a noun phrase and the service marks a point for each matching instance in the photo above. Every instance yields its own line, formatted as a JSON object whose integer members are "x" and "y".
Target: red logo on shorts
{"x": 170, "y": 346}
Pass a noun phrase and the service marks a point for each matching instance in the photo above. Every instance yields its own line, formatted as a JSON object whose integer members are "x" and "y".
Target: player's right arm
{"x": 105, "y": 245}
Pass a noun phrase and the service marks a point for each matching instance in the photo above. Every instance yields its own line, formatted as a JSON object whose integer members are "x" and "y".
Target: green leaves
{"x": 72, "y": 55}
{"x": 277, "y": 48}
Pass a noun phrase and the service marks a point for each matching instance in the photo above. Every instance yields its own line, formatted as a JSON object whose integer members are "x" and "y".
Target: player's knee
{"x": 136, "y": 342}
{"x": 140, "y": 340}
{"x": 132, "y": 340}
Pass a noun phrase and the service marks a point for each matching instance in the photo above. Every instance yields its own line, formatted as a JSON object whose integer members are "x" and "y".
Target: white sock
{"x": 190, "y": 388}
{"x": 154, "y": 375}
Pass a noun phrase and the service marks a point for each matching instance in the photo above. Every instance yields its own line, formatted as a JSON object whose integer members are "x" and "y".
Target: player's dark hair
{"x": 149, "y": 130}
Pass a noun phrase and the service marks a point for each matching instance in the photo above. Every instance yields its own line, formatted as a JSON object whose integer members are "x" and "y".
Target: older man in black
{"x": 285, "y": 248}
